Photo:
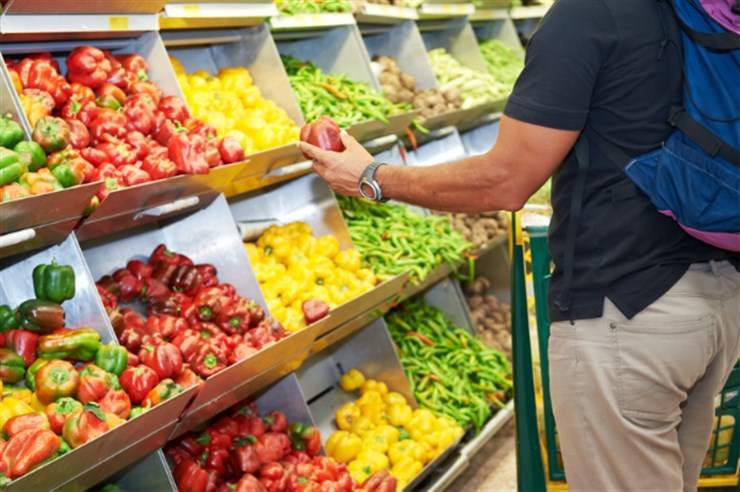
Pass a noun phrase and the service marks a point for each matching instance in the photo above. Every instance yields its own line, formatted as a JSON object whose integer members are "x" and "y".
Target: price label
{"x": 118, "y": 23}
{"x": 193, "y": 9}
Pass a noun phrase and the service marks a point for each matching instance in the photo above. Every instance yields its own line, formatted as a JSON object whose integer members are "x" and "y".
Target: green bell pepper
{"x": 54, "y": 282}
{"x": 10, "y": 132}
{"x": 7, "y": 318}
{"x": 80, "y": 344}
{"x": 11, "y": 366}
{"x": 11, "y": 167}
{"x": 51, "y": 133}
{"x": 31, "y": 373}
{"x": 112, "y": 358}
{"x": 31, "y": 154}
{"x": 40, "y": 316}
{"x": 65, "y": 175}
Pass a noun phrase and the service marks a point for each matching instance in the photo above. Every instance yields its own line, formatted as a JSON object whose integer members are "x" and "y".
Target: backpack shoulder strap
{"x": 721, "y": 41}
{"x": 708, "y": 141}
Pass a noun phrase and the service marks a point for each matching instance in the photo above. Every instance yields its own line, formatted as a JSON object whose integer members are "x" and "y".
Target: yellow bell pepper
{"x": 422, "y": 422}
{"x": 11, "y": 407}
{"x": 346, "y": 415}
{"x": 406, "y": 469}
{"x": 394, "y": 397}
{"x": 376, "y": 460}
{"x": 399, "y": 414}
{"x": 327, "y": 246}
{"x": 359, "y": 470}
{"x": 401, "y": 450}
{"x": 373, "y": 385}
{"x": 390, "y": 433}
{"x": 352, "y": 380}
{"x": 343, "y": 446}
{"x": 376, "y": 441}
{"x": 362, "y": 425}
{"x": 348, "y": 259}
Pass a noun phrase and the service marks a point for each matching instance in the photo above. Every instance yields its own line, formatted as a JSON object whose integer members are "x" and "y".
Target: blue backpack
{"x": 695, "y": 176}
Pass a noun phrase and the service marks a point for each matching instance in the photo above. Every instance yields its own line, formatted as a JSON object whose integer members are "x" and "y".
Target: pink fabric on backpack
{"x": 725, "y": 240}
{"x": 721, "y": 11}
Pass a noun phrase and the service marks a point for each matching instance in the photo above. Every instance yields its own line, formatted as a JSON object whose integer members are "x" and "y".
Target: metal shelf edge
{"x": 76, "y": 23}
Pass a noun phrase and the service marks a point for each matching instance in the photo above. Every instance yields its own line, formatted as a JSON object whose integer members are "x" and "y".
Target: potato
{"x": 475, "y": 302}
{"x": 408, "y": 81}
{"x": 405, "y": 95}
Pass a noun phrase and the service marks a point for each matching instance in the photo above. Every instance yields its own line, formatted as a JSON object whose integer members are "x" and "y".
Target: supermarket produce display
{"x": 474, "y": 87}
{"x": 504, "y": 62}
{"x": 491, "y": 316}
{"x": 140, "y": 316}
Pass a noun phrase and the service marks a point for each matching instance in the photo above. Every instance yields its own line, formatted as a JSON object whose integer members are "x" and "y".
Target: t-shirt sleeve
{"x": 562, "y": 65}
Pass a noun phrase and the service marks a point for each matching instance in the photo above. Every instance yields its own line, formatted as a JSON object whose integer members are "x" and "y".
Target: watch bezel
{"x": 368, "y": 180}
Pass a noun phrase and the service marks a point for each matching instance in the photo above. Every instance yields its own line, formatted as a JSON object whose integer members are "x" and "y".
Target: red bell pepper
{"x": 188, "y": 342}
{"x": 140, "y": 118}
{"x": 244, "y": 456}
{"x": 27, "y": 449}
{"x": 174, "y": 108}
{"x": 138, "y": 382}
{"x": 240, "y": 352}
{"x": 84, "y": 426}
{"x": 139, "y": 144}
{"x": 133, "y": 175}
{"x": 23, "y": 343}
{"x": 119, "y": 154}
{"x": 165, "y": 129}
{"x": 81, "y": 93}
{"x": 129, "y": 286}
{"x": 139, "y": 269}
{"x": 108, "y": 124}
{"x": 95, "y": 383}
{"x": 165, "y": 358}
{"x": 191, "y": 477}
{"x": 87, "y": 112}
{"x": 187, "y": 377}
{"x": 108, "y": 90}
{"x": 145, "y": 100}
{"x": 110, "y": 301}
{"x": 187, "y": 152}
{"x": 59, "y": 411}
{"x": 18, "y": 423}
{"x": 208, "y": 274}
{"x": 79, "y": 136}
{"x": 248, "y": 483}
{"x": 88, "y": 66}
{"x": 116, "y": 402}
{"x": 41, "y": 97}
{"x": 136, "y": 64}
{"x": 207, "y": 360}
{"x": 231, "y": 150}
{"x": 146, "y": 88}
{"x": 159, "y": 167}
{"x": 213, "y": 156}
{"x": 165, "y": 326}
{"x": 130, "y": 329}
{"x": 314, "y": 310}
{"x": 196, "y": 126}
{"x": 133, "y": 360}
{"x": 276, "y": 421}
{"x": 209, "y": 302}
{"x": 155, "y": 292}
{"x": 94, "y": 156}
{"x": 121, "y": 78}
{"x": 165, "y": 255}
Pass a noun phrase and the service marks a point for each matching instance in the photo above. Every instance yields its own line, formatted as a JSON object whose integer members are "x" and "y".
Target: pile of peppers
{"x": 244, "y": 452}
{"x": 62, "y": 387}
{"x": 106, "y": 120}
{"x": 21, "y": 162}
{"x": 195, "y": 327}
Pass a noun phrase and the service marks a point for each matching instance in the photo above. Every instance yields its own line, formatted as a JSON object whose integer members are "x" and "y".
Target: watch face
{"x": 367, "y": 190}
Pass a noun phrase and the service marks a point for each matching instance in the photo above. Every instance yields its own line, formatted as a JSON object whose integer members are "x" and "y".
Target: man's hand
{"x": 342, "y": 170}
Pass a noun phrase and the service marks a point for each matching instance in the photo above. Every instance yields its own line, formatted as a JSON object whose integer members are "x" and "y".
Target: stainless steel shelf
{"x": 373, "y": 13}
{"x": 310, "y": 21}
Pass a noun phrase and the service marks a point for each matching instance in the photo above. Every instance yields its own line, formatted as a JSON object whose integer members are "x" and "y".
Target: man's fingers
{"x": 348, "y": 140}
{"x": 312, "y": 151}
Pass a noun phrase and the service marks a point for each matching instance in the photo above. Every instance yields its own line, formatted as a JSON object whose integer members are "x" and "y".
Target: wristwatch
{"x": 369, "y": 187}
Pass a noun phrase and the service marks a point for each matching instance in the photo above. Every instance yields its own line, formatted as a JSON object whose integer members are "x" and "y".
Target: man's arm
{"x": 503, "y": 178}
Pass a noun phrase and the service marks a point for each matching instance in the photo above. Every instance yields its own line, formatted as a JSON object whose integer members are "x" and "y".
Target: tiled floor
{"x": 493, "y": 468}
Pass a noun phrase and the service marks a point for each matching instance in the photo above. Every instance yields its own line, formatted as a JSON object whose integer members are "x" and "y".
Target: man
{"x": 646, "y": 330}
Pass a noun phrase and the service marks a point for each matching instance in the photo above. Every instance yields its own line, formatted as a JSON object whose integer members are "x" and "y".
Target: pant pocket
{"x": 658, "y": 361}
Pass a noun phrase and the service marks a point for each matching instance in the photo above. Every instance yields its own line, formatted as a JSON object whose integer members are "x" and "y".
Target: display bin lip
{"x": 39, "y": 210}
{"x": 87, "y": 7}
{"x": 267, "y": 359}
{"x": 159, "y": 419}
{"x": 313, "y": 22}
{"x": 374, "y": 13}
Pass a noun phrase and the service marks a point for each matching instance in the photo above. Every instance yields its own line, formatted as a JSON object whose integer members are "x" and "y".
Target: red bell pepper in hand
{"x": 59, "y": 411}
{"x": 188, "y": 153}
{"x": 159, "y": 167}
{"x": 88, "y": 66}
{"x": 165, "y": 358}
{"x": 33, "y": 420}
{"x": 79, "y": 136}
{"x": 146, "y": 88}
{"x": 231, "y": 150}
{"x": 133, "y": 175}
{"x": 95, "y": 383}
{"x": 323, "y": 133}
{"x": 174, "y": 108}
{"x": 138, "y": 382}
{"x": 84, "y": 426}
{"x": 23, "y": 343}
{"x": 27, "y": 449}
{"x": 187, "y": 377}
{"x": 207, "y": 360}
{"x": 117, "y": 402}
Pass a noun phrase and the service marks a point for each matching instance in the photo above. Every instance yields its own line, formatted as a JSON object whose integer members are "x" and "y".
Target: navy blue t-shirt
{"x": 599, "y": 66}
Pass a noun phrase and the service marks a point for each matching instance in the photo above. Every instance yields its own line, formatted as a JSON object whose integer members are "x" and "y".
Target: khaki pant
{"x": 634, "y": 399}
